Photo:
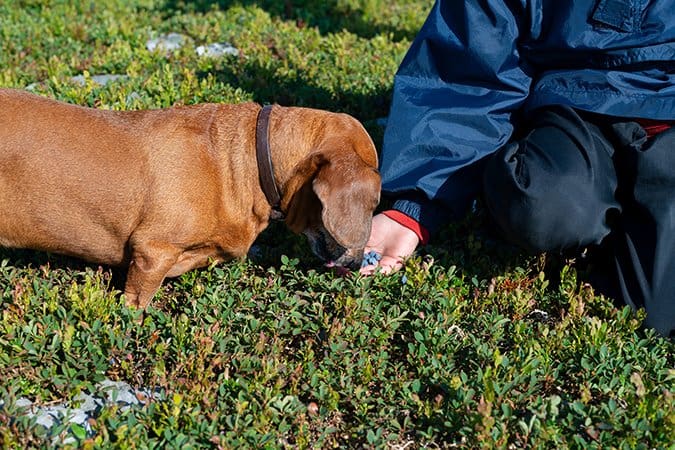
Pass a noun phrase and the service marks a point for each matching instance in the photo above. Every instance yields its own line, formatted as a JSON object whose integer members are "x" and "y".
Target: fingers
{"x": 373, "y": 262}
{"x": 386, "y": 265}
{"x": 390, "y": 243}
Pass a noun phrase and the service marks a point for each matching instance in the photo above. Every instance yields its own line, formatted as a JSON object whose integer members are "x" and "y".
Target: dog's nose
{"x": 355, "y": 264}
{"x": 352, "y": 260}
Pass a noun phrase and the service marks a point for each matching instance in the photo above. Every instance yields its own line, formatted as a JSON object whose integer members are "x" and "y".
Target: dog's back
{"x": 58, "y": 164}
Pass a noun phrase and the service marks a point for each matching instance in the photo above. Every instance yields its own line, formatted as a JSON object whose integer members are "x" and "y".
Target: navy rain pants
{"x": 578, "y": 179}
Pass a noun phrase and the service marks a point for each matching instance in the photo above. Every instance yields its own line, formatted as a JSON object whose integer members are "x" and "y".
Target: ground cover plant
{"x": 471, "y": 345}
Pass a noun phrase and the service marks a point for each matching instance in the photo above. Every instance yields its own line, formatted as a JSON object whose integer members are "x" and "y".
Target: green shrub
{"x": 480, "y": 347}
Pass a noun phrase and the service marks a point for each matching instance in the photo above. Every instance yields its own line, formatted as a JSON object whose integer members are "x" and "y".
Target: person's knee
{"x": 539, "y": 210}
{"x": 553, "y": 189}
{"x": 520, "y": 216}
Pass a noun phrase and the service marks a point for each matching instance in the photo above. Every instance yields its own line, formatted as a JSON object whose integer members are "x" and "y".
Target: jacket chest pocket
{"x": 622, "y": 15}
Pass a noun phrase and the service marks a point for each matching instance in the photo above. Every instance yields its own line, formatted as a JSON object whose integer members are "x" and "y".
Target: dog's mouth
{"x": 339, "y": 270}
{"x": 334, "y": 255}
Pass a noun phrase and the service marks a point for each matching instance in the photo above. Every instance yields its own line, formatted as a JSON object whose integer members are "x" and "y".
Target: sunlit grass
{"x": 476, "y": 345}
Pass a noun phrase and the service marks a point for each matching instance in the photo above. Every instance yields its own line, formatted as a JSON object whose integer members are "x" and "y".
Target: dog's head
{"x": 331, "y": 197}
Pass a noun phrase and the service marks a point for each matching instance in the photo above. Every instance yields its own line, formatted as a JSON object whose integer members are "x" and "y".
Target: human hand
{"x": 392, "y": 241}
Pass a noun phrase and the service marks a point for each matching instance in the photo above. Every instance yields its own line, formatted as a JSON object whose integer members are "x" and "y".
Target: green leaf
{"x": 78, "y": 431}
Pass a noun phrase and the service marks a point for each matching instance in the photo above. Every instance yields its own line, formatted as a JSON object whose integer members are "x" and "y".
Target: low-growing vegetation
{"x": 471, "y": 345}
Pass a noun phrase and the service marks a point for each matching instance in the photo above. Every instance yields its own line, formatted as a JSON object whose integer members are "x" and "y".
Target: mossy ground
{"x": 479, "y": 347}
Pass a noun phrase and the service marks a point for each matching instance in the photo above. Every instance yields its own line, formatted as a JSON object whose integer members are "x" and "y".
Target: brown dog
{"x": 165, "y": 191}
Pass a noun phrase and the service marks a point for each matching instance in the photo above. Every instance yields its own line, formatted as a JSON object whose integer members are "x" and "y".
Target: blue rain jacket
{"x": 477, "y": 65}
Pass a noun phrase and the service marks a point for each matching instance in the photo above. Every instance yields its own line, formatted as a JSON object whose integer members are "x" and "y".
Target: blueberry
{"x": 371, "y": 258}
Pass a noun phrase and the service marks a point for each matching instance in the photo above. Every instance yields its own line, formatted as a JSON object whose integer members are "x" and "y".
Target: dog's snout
{"x": 351, "y": 259}
{"x": 325, "y": 247}
{"x": 355, "y": 263}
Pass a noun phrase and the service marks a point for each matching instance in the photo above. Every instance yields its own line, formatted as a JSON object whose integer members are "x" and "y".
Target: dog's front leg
{"x": 149, "y": 265}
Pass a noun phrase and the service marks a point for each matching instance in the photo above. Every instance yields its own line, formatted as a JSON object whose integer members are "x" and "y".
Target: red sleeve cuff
{"x": 654, "y": 127}
{"x": 409, "y": 223}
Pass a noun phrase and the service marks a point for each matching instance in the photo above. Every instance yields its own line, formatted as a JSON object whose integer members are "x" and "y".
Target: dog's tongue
{"x": 339, "y": 270}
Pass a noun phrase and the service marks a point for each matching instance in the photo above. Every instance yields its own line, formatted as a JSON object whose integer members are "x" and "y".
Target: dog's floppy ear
{"x": 299, "y": 201}
{"x": 349, "y": 191}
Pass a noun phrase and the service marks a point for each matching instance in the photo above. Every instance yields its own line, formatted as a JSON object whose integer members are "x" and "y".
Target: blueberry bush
{"x": 471, "y": 345}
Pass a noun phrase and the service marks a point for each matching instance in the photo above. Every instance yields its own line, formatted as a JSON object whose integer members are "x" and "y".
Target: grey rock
{"x": 48, "y": 417}
{"x": 217, "y": 49}
{"x": 22, "y": 403}
{"x": 87, "y": 403}
{"x": 85, "y": 406}
{"x": 80, "y": 80}
{"x": 102, "y": 79}
{"x": 167, "y": 43}
{"x": 133, "y": 96}
{"x": 539, "y": 315}
{"x": 119, "y": 392}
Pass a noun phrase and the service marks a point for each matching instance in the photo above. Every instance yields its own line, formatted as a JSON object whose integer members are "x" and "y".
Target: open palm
{"x": 392, "y": 241}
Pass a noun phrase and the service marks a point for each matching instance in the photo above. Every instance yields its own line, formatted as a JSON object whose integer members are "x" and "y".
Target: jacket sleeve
{"x": 454, "y": 94}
